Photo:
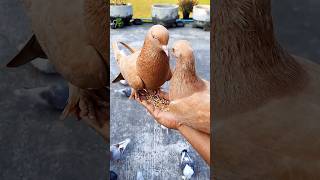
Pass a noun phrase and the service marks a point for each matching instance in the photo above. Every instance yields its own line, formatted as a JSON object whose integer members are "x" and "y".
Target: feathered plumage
{"x": 149, "y": 67}
{"x": 189, "y": 93}
{"x": 72, "y": 34}
{"x": 266, "y": 102}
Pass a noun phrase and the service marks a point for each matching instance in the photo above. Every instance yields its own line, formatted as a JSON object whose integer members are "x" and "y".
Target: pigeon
{"x": 124, "y": 82}
{"x": 185, "y": 81}
{"x": 124, "y": 92}
{"x": 117, "y": 150}
{"x": 149, "y": 67}
{"x": 187, "y": 91}
{"x": 186, "y": 165}
{"x": 77, "y": 50}
{"x": 113, "y": 175}
{"x": 266, "y": 101}
{"x": 55, "y": 96}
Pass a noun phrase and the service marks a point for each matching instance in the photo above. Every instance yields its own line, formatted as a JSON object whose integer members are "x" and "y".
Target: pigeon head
{"x": 183, "y": 151}
{"x": 182, "y": 51}
{"x": 159, "y": 37}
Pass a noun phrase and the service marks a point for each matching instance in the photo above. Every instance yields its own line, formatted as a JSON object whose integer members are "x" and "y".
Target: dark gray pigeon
{"x": 54, "y": 96}
{"x": 113, "y": 175}
{"x": 117, "y": 150}
{"x": 125, "y": 92}
{"x": 186, "y": 165}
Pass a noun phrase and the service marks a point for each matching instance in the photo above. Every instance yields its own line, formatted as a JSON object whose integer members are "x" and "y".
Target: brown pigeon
{"x": 266, "y": 102}
{"x": 185, "y": 81}
{"x": 187, "y": 92}
{"x": 73, "y": 35}
{"x": 149, "y": 67}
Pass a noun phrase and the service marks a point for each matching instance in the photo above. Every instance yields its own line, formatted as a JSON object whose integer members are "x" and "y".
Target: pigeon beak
{"x": 171, "y": 52}
{"x": 165, "y": 49}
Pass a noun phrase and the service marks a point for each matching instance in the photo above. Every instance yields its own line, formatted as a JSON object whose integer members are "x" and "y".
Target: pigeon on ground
{"x": 113, "y": 175}
{"x": 186, "y": 165}
{"x": 124, "y": 92}
{"x": 118, "y": 149}
{"x": 55, "y": 96}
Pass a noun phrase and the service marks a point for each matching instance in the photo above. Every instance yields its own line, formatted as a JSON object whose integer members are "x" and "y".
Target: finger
{"x": 140, "y": 99}
{"x": 169, "y": 123}
{"x": 148, "y": 106}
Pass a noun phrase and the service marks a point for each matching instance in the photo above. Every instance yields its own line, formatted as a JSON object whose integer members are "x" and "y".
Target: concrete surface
{"x": 34, "y": 143}
{"x": 153, "y": 150}
{"x": 297, "y": 26}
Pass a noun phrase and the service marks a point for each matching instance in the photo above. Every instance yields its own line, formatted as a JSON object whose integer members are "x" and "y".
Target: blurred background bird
{"x": 126, "y": 92}
{"x": 186, "y": 165}
{"x": 54, "y": 96}
{"x": 117, "y": 150}
{"x": 113, "y": 175}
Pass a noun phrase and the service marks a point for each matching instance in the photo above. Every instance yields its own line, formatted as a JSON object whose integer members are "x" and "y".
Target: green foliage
{"x": 118, "y": 23}
{"x": 187, "y": 5}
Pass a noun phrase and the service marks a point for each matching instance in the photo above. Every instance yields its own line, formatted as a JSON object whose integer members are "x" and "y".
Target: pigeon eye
{"x": 154, "y": 37}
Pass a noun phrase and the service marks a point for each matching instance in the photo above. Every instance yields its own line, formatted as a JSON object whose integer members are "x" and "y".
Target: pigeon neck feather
{"x": 249, "y": 66}
{"x": 151, "y": 51}
{"x": 186, "y": 75}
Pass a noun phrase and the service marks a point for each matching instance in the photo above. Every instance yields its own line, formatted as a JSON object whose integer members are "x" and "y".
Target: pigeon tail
{"x": 118, "y": 55}
{"x": 29, "y": 52}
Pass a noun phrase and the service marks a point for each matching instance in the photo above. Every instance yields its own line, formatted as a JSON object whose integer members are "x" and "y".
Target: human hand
{"x": 167, "y": 119}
